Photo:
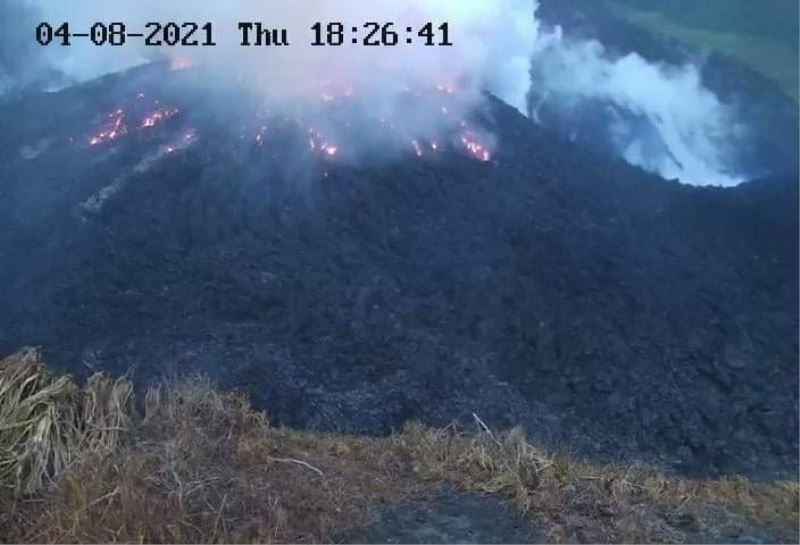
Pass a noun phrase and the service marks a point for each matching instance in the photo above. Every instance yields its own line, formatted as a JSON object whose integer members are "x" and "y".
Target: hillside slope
{"x": 626, "y": 316}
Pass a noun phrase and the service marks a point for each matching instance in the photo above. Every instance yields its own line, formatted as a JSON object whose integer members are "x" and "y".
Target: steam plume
{"x": 659, "y": 117}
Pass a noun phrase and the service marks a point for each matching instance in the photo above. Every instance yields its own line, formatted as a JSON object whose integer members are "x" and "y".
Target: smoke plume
{"x": 22, "y": 62}
{"x": 659, "y": 117}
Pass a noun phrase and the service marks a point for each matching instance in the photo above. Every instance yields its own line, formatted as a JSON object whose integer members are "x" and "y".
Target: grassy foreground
{"x": 197, "y": 465}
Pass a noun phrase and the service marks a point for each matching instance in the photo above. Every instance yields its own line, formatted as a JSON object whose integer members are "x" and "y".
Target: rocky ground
{"x": 448, "y": 517}
{"x": 605, "y": 309}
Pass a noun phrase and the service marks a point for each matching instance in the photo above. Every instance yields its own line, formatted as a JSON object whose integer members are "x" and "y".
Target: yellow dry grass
{"x": 586, "y": 502}
{"x": 47, "y": 423}
{"x": 199, "y": 465}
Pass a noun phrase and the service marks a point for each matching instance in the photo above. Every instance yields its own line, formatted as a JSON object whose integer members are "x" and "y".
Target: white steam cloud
{"x": 659, "y": 117}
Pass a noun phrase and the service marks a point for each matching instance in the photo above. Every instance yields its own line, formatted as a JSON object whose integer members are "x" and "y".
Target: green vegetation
{"x": 201, "y": 466}
{"x": 760, "y": 35}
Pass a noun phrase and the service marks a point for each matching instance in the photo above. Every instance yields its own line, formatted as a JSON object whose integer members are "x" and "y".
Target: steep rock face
{"x": 626, "y": 316}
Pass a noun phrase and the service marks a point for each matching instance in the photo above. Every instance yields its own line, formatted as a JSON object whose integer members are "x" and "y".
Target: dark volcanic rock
{"x": 627, "y": 316}
{"x": 449, "y": 517}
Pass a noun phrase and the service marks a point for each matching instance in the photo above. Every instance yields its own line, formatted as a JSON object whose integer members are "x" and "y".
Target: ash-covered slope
{"x": 627, "y": 316}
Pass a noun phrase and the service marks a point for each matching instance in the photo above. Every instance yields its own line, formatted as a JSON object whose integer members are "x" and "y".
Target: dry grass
{"x": 47, "y": 423}
{"x": 583, "y": 502}
{"x": 201, "y": 466}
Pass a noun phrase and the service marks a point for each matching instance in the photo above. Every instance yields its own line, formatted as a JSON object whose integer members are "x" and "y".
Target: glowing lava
{"x": 342, "y": 121}
{"x": 260, "y": 136}
{"x": 160, "y": 115}
{"x": 115, "y": 126}
{"x": 475, "y": 147}
{"x": 114, "y": 129}
{"x": 181, "y": 63}
{"x": 187, "y": 139}
{"x": 319, "y": 144}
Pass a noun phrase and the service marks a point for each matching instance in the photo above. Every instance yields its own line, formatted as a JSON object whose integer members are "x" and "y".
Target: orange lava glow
{"x": 154, "y": 118}
{"x": 476, "y": 149}
{"x": 114, "y": 129}
{"x": 181, "y": 63}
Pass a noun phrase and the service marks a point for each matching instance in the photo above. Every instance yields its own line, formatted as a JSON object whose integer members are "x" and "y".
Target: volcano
{"x": 495, "y": 269}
